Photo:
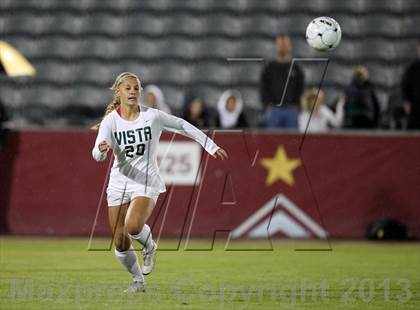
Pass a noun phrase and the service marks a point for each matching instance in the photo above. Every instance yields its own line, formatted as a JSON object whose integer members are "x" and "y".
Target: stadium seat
{"x": 48, "y": 96}
{"x": 79, "y": 115}
{"x": 222, "y": 25}
{"x": 182, "y": 44}
{"x": 406, "y": 50}
{"x": 173, "y": 73}
{"x": 16, "y": 99}
{"x": 95, "y": 5}
{"x": 90, "y": 96}
{"x": 336, "y": 75}
{"x": 375, "y": 49}
{"x": 250, "y": 96}
{"x": 313, "y": 71}
{"x": 157, "y": 5}
{"x": 69, "y": 24}
{"x": 146, "y": 25}
{"x": 302, "y": 49}
{"x": 8, "y": 24}
{"x": 259, "y": 48}
{"x": 410, "y": 5}
{"x": 37, "y": 114}
{"x": 349, "y": 24}
{"x": 174, "y": 97}
{"x": 29, "y": 47}
{"x": 383, "y": 6}
{"x": 64, "y": 5}
{"x": 63, "y": 47}
{"x": 380, "y": 25}
{"x": 296, "y": 24}
{"x": 346, "y": 52}
{"x": 312, "y": 5}
{"x": 210, "y": 93}
{"x": 270, "y": 6}
{"x": 140, "y": 47}
{"x": 192, "y": 5}
{"x": 410, "y": 24}
{"x": 112, "y": 6}
{"x": 97, "y": 47}
{"x": 26, "y": 23}
{"x": 263, "y": 25}
{"x": 146, "y": 71}
{"x": 212, "y": 73}
{"x": 217, "y": 48}
{"x": 227, "y": 6}
{"x": 57, "y": 72}
{"x": 384, "y": 76}
{"x": 348, "y": 7}
{"x": 332, "y": 94}
{"x": 105, "y": 24}
{"x": 9, "y": 5}
{"x": 180, "y": 48}
{"x": 245, "y": 72}
{"x": 95, "y": 72}
{"x": 185, "y": 25}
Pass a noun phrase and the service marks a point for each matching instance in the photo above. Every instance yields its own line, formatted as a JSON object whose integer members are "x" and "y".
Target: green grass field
{"x": 62, "y": 274}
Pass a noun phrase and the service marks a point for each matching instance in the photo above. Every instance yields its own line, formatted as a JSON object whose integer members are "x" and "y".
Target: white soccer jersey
{"x": 134, "y": 144}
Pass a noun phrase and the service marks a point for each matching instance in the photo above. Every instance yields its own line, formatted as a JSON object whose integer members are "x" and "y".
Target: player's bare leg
{"x": 123, "y": 249}
{"x": 135, "y": 222}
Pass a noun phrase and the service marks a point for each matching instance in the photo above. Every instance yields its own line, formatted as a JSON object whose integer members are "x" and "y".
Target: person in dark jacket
{"x": 362, "y": 107}
{"x": 195, "y": 111}
{"x": 273, "y": 84}
{"x": 411, "y": 92}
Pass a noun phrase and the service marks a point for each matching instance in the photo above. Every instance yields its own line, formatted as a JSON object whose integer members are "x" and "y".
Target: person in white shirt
{"x": 230, "y": 107}
{"x": 322, "y": 117}
{"x": 132, "y": 132}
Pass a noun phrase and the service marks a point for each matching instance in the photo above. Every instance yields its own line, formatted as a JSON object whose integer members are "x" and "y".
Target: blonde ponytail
{"x": 114, "y": 104}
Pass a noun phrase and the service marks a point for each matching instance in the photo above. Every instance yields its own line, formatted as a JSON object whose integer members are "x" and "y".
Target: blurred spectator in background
{"x": 153, "y": 97}
{"x": 273, "y": 83}
{"x": 411, "y": 92}
{"x": 322, "y": 117}
{"x": 362, "y": 107}
{"x": 395, "y": 116}
{"x": 230, "y": 109}
{"x": 3, "y": 131}
{"x": 195, "y": 111}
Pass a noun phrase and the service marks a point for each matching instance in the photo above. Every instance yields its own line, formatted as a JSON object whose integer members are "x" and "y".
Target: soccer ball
{"x": 323, "y": 34}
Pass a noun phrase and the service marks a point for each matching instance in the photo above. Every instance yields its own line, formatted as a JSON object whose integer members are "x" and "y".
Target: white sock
{"x": 129, "y": 260}
{"x": 145, "y": 237}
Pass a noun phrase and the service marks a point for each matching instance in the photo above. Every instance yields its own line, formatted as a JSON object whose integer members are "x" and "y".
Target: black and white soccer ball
{"x": 323, "y": 34}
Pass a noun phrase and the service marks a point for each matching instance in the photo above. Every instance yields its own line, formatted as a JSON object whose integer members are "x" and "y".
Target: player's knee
{"x": 121, "y": 243}
{"x": 134, "y": 227}
{"x": 133, "y": 231}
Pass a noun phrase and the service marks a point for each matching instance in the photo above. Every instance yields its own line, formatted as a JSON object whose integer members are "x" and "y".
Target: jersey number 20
{"x": 129, "y": 150}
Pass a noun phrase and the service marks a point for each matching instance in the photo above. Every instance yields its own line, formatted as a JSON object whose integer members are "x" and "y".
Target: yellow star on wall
{"x": 280, "y": 167}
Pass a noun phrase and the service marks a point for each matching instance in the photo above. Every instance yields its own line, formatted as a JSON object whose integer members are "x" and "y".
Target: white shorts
{"x": 117, "y": 198}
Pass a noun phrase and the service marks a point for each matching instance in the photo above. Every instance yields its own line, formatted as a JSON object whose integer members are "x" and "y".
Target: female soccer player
{"x": 132, "y": 132}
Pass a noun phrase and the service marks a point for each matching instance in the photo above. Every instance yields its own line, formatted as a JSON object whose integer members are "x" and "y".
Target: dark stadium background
{"x": 345, "y": 186}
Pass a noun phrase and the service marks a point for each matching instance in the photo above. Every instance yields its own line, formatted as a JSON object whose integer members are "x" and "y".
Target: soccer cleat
{"x": 149, "y": 260}
{"x": 136, "y": 286}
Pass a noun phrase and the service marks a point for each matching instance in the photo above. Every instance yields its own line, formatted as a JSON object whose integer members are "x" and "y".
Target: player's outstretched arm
{"x": 220, "y": 153}
{"x": 181, "y": 126}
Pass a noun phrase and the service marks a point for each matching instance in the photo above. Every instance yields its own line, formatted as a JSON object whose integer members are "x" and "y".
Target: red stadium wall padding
{"x": 272, "y": 184}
